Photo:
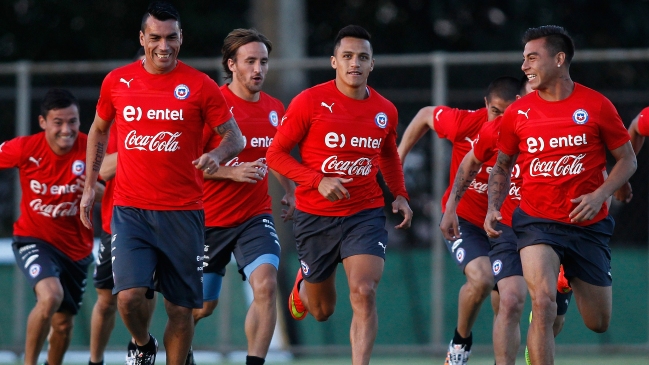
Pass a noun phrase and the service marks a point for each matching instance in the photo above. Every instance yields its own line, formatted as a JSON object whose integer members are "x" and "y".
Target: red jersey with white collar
{"x": 486, "y": 149}
{"x": 109, "y": 190}
{"x": 461, "y": 127}
{"x": 160, "y": 121}
{"x": 339, "y": 137}
{"x": 229, "y": 203}
{"x": 643, "y": 122}
{"x": 49, "y": 207}
{"x": 563, "y": 145}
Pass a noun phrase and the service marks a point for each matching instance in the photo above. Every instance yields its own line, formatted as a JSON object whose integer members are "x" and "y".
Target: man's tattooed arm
{"x": 231, "y": 143}
{"x": 499, "y": 180}
{"x": 99, "y": 156}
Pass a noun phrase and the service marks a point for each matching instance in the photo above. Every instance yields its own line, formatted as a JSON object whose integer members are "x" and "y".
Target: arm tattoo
{"x": 499, "y": 181}
{"x": 232, "y": 140}
{"x": 463, "y": 182}
{"x": 99, "y": 157}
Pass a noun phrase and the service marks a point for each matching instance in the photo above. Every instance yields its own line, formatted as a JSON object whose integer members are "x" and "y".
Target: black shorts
{"x": 563, "y": 300}
{"x": 248, "y": 241}
{"x": 583, "y": 250}
{"x": 39, "y": 260}
{"x": 504, "y": 256}
{"x": 472, "y": 244}
{"x": 167, "y": 243}
{"x": 322, "y": 242}
{"x": 103, "y": 274}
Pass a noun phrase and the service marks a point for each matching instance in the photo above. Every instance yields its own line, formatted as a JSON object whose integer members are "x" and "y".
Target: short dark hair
{"x": 162, "y": 11}
{"x": 57, "y": 99}
{"x": 504, "y": 87}
{"x": 556, "y": 39}
{"x": 237, "y": 38}
{"x": 354, "y": 31}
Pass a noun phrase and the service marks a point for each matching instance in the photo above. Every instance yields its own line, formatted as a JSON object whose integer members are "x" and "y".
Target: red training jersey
{"x": 563, "y": 145}
{"x": 643, "y": 122}
{"x": 229, "y": 203}
{"x": 107, "y": 200}
{"x": 461, "y": 127}
{"x": 160, "y": 121}
{"x": 486, "y": 149}
{"x": 49, "y": 207}
{"x": 339, "y": 137}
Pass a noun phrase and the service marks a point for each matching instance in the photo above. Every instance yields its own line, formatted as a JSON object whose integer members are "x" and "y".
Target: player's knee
{"x": 323, "y": 312}
{"x": 51, "y": 301}
{"x": 63, "y": 327}
{"x": 265, "y": 290}
{"x": 544, "y": 308}
{"x": 598, "y": 325}
{"x": 558, "y": 324}
{"x": 106, "y": 305}
{"x": 363, "y": 296}
{"x": 511, "y": 304}
{"x": 206, "y": 311}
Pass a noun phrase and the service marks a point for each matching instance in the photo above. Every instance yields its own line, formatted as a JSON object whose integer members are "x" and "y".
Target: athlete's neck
{"x": 152, "y": 70}
{"x": 243, "y": 92}
{"x": 355, "y": 92}
{"x": 558, "y": 90}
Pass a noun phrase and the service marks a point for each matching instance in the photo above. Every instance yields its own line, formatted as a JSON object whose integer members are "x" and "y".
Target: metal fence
{"x": 411, "y": 81}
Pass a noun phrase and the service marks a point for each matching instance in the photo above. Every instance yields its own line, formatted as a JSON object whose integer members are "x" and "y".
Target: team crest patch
{"x": 78, "y": 167}
{"x": 305, "y": 268}
{"x": 497, "y": 266}
{"x": 272, "y": 117}
{"x": 34, "y": 270}
{"x": 459, "y": 255}
{"x": 181, "y": 92}
{"x": 381, "y": 120}
{"x": 580, "y": 116}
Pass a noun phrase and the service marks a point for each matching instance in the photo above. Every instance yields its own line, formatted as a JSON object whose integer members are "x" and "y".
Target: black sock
{"x": 459, "y": 340}
{"x": 254, "y": 360}
{"x": 149, "y": 347}
{"x": 96, "y": 363}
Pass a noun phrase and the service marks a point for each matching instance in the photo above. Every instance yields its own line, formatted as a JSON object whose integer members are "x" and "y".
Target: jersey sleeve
{"x": 279, "y": 159}
{"x": 484, "y": 147}
{"x": 10, "y": 153}
{"x": 215, "y": 109}
{"x": 612, "y": 129}
{"x": 390, "y": 164}
{"x": 105, "y": 107}
{"x": 508, "y": 140}
{"x": 643, "y": 122}
{"x": 445, "y": 122}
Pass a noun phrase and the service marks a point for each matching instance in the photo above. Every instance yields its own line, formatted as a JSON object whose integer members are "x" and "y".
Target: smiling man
{"x": 52, "y": 248}
{"x": 160, "y": 107}
{"x": 346, "y": 133}
{"x": 561, "y": 134}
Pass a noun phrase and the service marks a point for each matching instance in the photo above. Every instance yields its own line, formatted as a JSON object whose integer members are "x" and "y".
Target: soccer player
{"x": 346, "y": 132}
{"x": 237, "y": 205}
{"x": 160, "y": 107}
{"x": 638, "y": 130}
{"x": 560, "y": 133}
{"x": 471, "y": 251}
{"x": 51, "y": 246}
{"x": 102, "y": 320}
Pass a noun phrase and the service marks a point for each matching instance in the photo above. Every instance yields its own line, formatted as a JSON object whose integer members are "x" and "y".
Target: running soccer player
{"x": 51, "y": 247}
{"x": 560, "y": 133}
{"x": 238, "y": 211}
{"x": 638, "y": 130}
{"x": 160, "y": 107}
{"x": 346, "y": 132}
{"x": 471, "y": 251}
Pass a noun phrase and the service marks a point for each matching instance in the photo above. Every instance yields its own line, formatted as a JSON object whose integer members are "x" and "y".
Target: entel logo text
{"x": 132, "y": 113}
{"x": 333, "y": 140}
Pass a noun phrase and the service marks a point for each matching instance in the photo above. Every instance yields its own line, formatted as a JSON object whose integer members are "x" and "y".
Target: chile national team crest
{"x": 497, "y": 266}
{"x": 34, "y": 270}
{"x": 78, "y": 167}
{"x": 381, "y": 120}
{"x": 305, "y": 268}
{"x": 272, "y": 117}
{"x": 181, "y": 92}
{"x": 580, "y": 116}
{"x": 459, "y": 255}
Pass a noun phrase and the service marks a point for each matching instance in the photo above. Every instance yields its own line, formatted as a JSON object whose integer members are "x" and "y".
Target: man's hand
{"x": 208, "y": 163}
{"x": 493, "y": 217}
{"x": 289, "y": 201}
{"x": 249, "y": 172}
{"x": 450, "y": 226}
{"x": 332, "y": 188}
{"x": 589, "y": 206}
{"x": 624, "y": 193}
{"x": 400, "y": 205}
{"x": 87, "y": 200}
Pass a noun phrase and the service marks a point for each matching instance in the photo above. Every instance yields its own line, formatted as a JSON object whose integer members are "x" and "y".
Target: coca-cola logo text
{"x": 161, "y": 142}
{"x": 65, "y": 209}
{"x": 361, "y": 167}
{"x": 566, "y": 165}
{"x": 479, "y": 187}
